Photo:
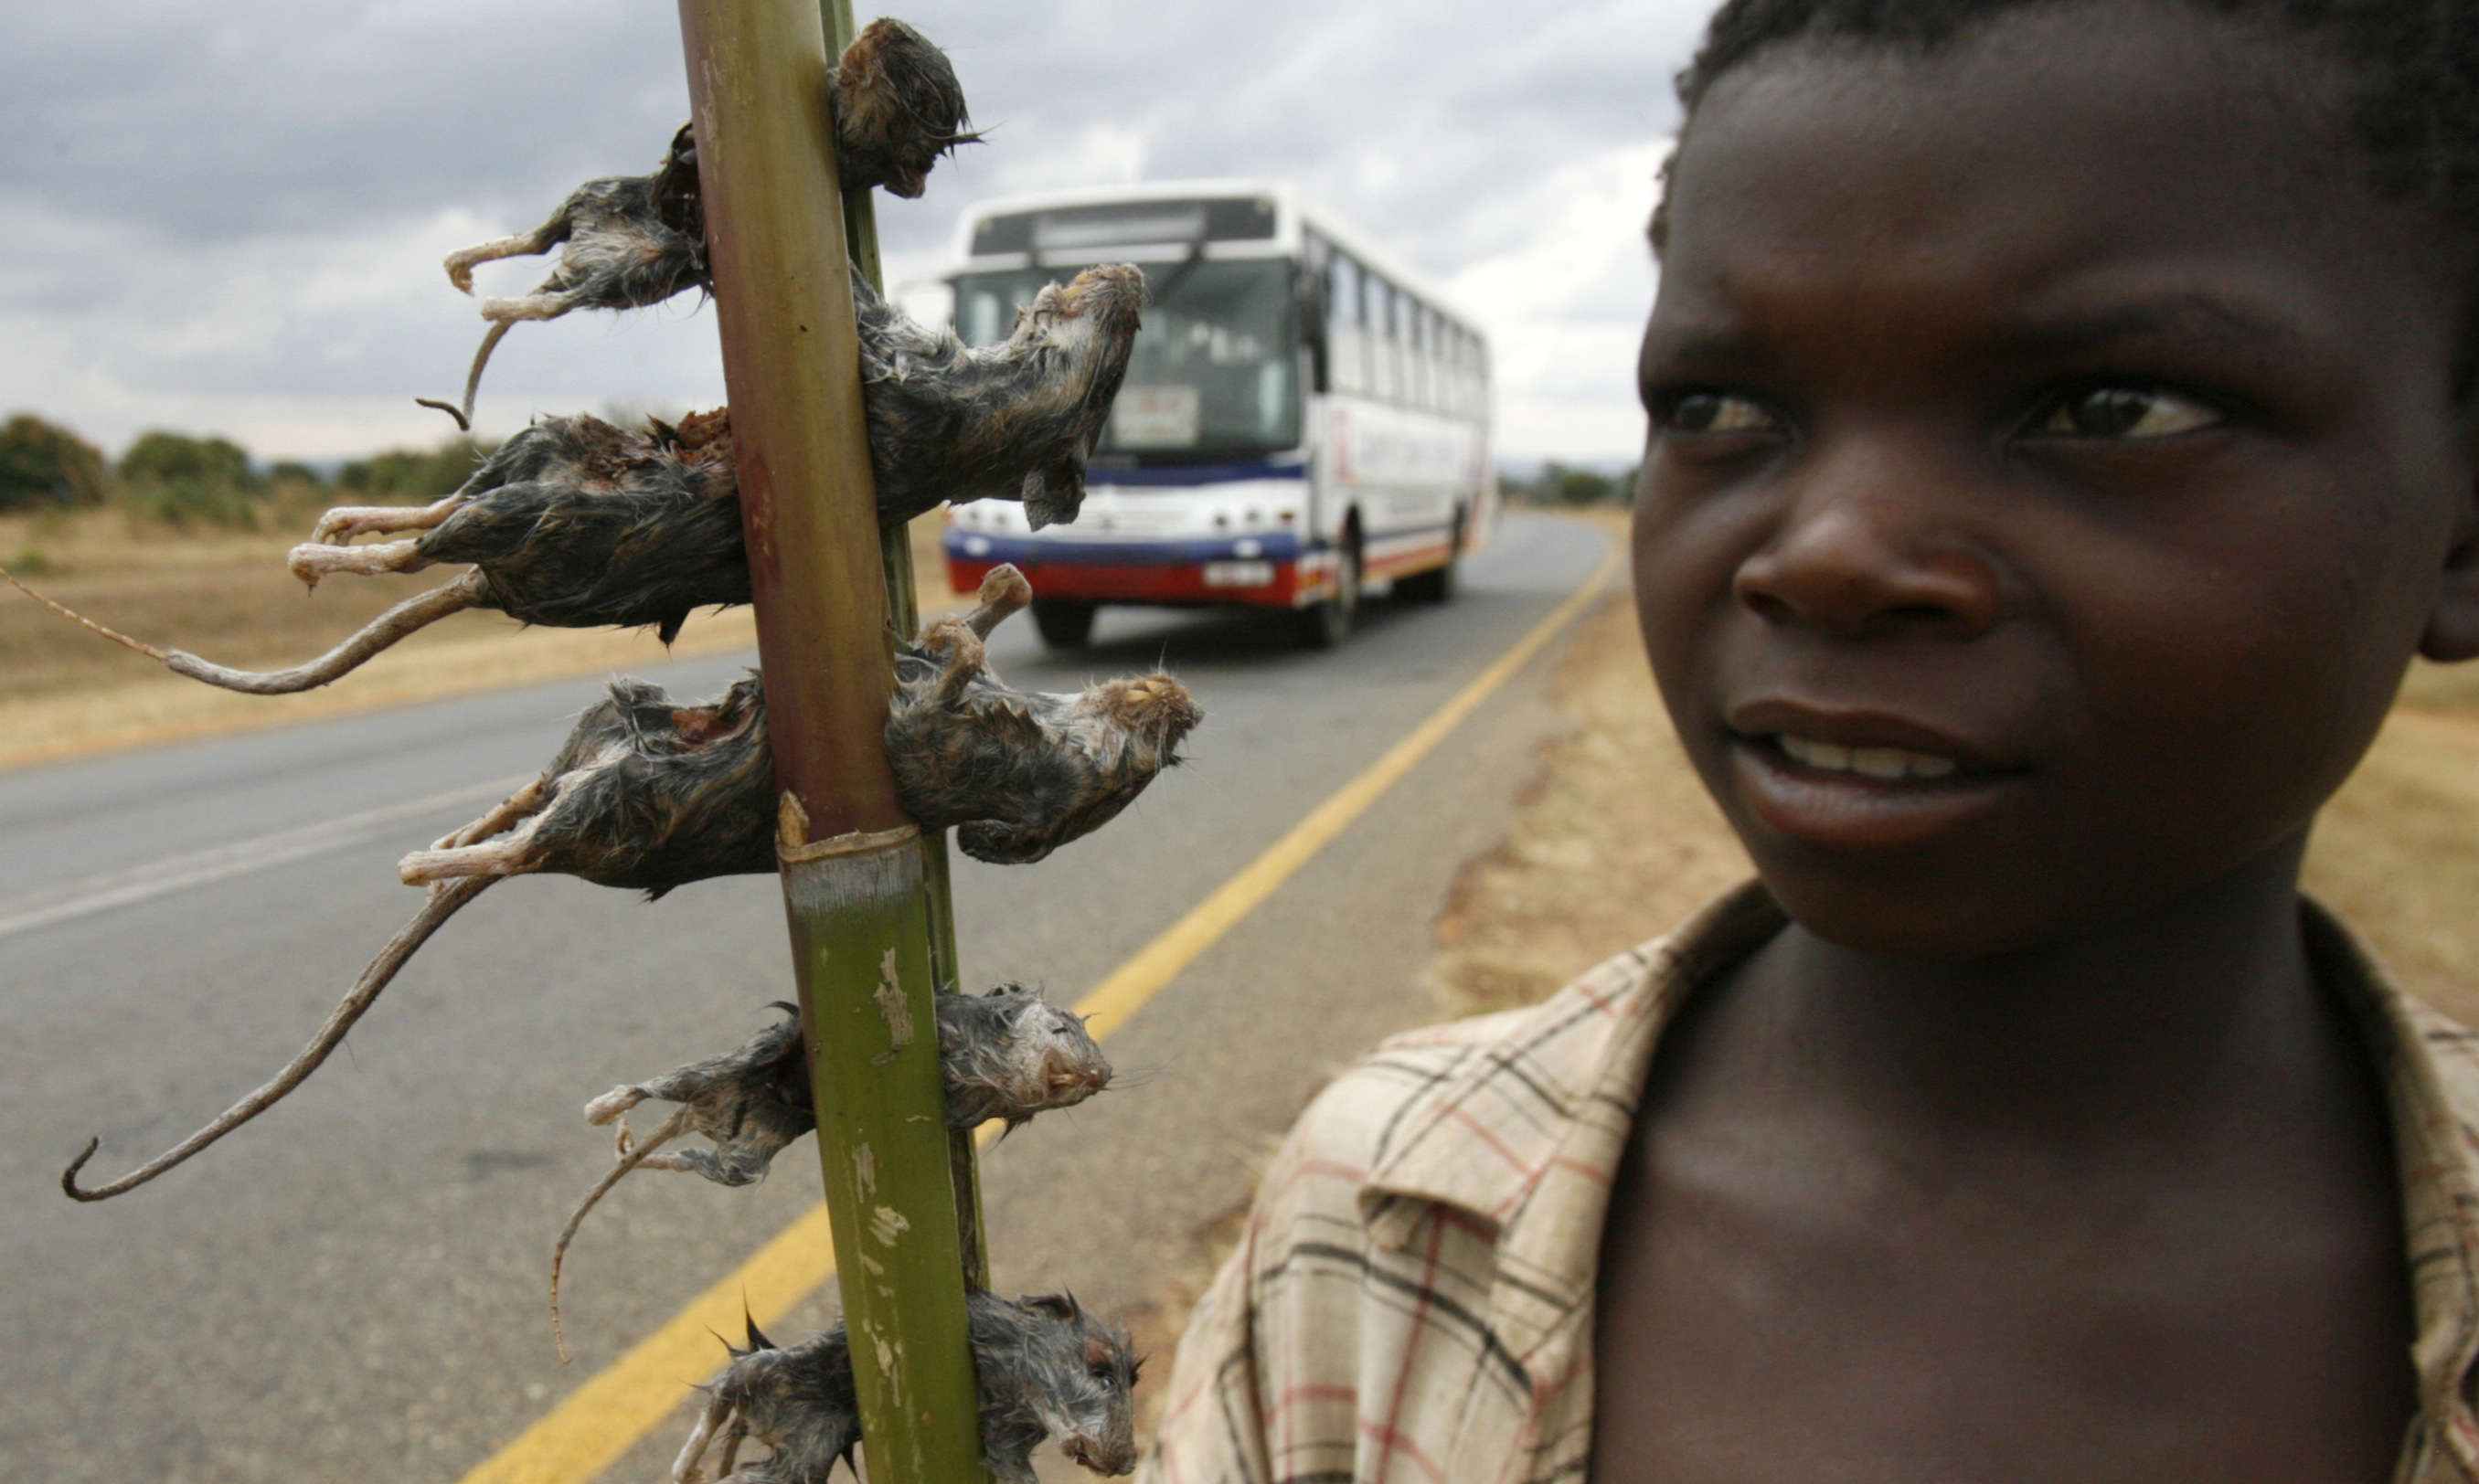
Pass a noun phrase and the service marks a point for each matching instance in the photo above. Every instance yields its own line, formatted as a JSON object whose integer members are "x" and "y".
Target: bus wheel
{"x": 1324, "y": 624}
{"x": 1438, "y": 583}
{"x": 1064, "y": 624}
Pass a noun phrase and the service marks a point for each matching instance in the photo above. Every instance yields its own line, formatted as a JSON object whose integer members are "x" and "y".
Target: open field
{"x": 226, "y": 595}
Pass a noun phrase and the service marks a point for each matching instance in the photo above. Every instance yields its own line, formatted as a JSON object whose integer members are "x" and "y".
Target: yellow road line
{"x": 602, "y": 1419}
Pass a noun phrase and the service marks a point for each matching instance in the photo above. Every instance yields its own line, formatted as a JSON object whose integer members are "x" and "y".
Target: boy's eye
{"x": 1713, "y": 411}
{"x": 2126, "y": 412}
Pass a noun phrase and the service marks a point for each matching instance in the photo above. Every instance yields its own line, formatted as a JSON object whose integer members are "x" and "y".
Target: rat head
{"x": 1105, "y": 302}
{"x": 1010, "y": 1053}
{"x": 1088, "y": 1398}
{"x": 1153, "y": 712}
{"x": 1058, "y": 1063}
{"x": 2060, "y": 442}
{"x": 898, "y": 107}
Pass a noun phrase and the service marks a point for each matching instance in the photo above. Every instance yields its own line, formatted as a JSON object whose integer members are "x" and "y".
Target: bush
{"x": 43, "y": 464}
{"x": 410, "y": 473}
{"x": 177, "y": 479}
{"x": 1558, "y": 484}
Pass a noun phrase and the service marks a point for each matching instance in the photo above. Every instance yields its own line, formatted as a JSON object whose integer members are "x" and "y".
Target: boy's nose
{"x": 1873, "y": 551}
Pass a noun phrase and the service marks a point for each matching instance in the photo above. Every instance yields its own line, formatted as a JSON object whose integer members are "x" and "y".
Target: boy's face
{"x": 2056, "y": 424}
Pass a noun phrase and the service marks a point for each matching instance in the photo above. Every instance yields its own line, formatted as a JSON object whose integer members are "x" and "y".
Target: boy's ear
{"x": 2452, "y": 631}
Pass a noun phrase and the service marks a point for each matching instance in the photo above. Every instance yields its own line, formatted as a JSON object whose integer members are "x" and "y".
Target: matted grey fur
{"x": 1043, "y": 1366}
{"x": 1021, "y": 773}
{"x": 573, "y": 524}
{"x": 1007, "y": 1053}
{"x": 1011, "y": 421}
{"x": 633, "y": 240}
{"x": 646, "y": 793}
{"x": 649, "y": 793}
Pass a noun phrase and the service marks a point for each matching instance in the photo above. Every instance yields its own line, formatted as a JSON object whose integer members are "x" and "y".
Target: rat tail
{"x": 74, "y": 616}
{"x": 442, "y": 905}
{"x": 464, "y": 415}
{"x": 630, "y": 1157}
{"x": 415, "y": 613}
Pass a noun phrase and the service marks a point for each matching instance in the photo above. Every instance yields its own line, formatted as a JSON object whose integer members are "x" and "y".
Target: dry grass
{"x": 227, "y": 596}
{"x": 1615, "y": 841}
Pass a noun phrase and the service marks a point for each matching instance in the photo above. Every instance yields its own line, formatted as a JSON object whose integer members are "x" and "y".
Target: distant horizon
{"x": 1519, "y": 466}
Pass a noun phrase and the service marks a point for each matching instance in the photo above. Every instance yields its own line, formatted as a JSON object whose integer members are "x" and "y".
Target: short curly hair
{"x": 2414, "y": 116}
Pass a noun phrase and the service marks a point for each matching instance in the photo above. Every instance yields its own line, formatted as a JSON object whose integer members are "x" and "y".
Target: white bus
{"x": 1301, "y": 415}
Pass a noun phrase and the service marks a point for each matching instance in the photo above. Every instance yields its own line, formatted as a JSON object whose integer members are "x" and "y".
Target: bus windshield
{"x": 1213, "y": 374}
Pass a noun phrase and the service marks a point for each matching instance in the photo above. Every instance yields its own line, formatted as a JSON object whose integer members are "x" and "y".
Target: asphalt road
{"x": 352, "y": 1286}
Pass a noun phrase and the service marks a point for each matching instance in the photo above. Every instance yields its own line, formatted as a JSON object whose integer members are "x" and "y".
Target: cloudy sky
{"x": 228, "y": 217}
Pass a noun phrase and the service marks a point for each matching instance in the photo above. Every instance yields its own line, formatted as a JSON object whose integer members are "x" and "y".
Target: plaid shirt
{"x": 1411, "y": 1302}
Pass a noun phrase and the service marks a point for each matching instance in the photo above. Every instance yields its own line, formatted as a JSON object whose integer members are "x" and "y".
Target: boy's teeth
{"x": 1888, "y": 762}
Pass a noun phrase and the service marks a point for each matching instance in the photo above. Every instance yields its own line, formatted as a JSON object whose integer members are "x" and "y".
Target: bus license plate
{"x": 1157, "y": 417}
{"x": 1238, "y": 574}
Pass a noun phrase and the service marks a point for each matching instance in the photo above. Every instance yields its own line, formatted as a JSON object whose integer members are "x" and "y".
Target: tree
{"x": 45, "y": 463}
{"x": 412, "y": 473}
{"x": 176, "y": 478}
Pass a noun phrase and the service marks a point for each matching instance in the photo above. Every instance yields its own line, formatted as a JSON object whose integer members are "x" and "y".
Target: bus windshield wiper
{"x": 1179, "y": 275}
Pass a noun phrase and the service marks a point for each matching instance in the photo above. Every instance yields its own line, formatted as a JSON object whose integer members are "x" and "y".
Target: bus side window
{"x": 1431, "y": 370}
{"x": 1462, "y": 357}
{"x": 1373, "y": 311}
{"x": 1386, "y": 330}
{"x": 1345, "y": 351}
{"x": 1407, "y": 354}
{"x": 1415, "y": 348}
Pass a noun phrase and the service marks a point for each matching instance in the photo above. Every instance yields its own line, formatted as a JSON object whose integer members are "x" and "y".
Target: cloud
{"x": 230, "y": 219}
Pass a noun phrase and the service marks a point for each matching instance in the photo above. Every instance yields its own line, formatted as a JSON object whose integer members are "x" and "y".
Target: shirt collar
{"x": 1544, "y": 1097}
{"x": 2430, "y": 1072}
{"x": 1525, "y": 1131}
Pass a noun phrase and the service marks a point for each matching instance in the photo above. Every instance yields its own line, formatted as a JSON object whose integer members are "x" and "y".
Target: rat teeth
{"x": 1882, "y": 762}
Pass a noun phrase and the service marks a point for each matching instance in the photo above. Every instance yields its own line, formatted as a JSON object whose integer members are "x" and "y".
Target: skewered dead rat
{"x": 651, "y": 795}
{"x": 1021, "y": 773}
{"x": 578, "y": 523}
{"x": 1044, "y": 1366}
{"x": 1008, "y": 1053}
{"x": 573, "y": 524}
{"x": 634, "y": 241}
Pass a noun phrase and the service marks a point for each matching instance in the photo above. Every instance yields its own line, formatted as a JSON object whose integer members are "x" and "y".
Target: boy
{"x": 2061, "y": 438}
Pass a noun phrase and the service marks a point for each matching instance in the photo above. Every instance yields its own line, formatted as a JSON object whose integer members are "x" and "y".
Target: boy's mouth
{"x": 1861, "y": 779}
{"x": 1885, "y": 764}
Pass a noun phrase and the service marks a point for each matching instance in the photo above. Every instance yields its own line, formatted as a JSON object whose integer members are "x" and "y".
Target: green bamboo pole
{"x": 853, "y": 870}
{"x": 895, "y": 545}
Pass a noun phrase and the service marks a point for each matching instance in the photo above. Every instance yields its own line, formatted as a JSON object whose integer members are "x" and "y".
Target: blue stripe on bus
{"x": 1028, "y": 551}
{"x": 1170, "y": 476}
